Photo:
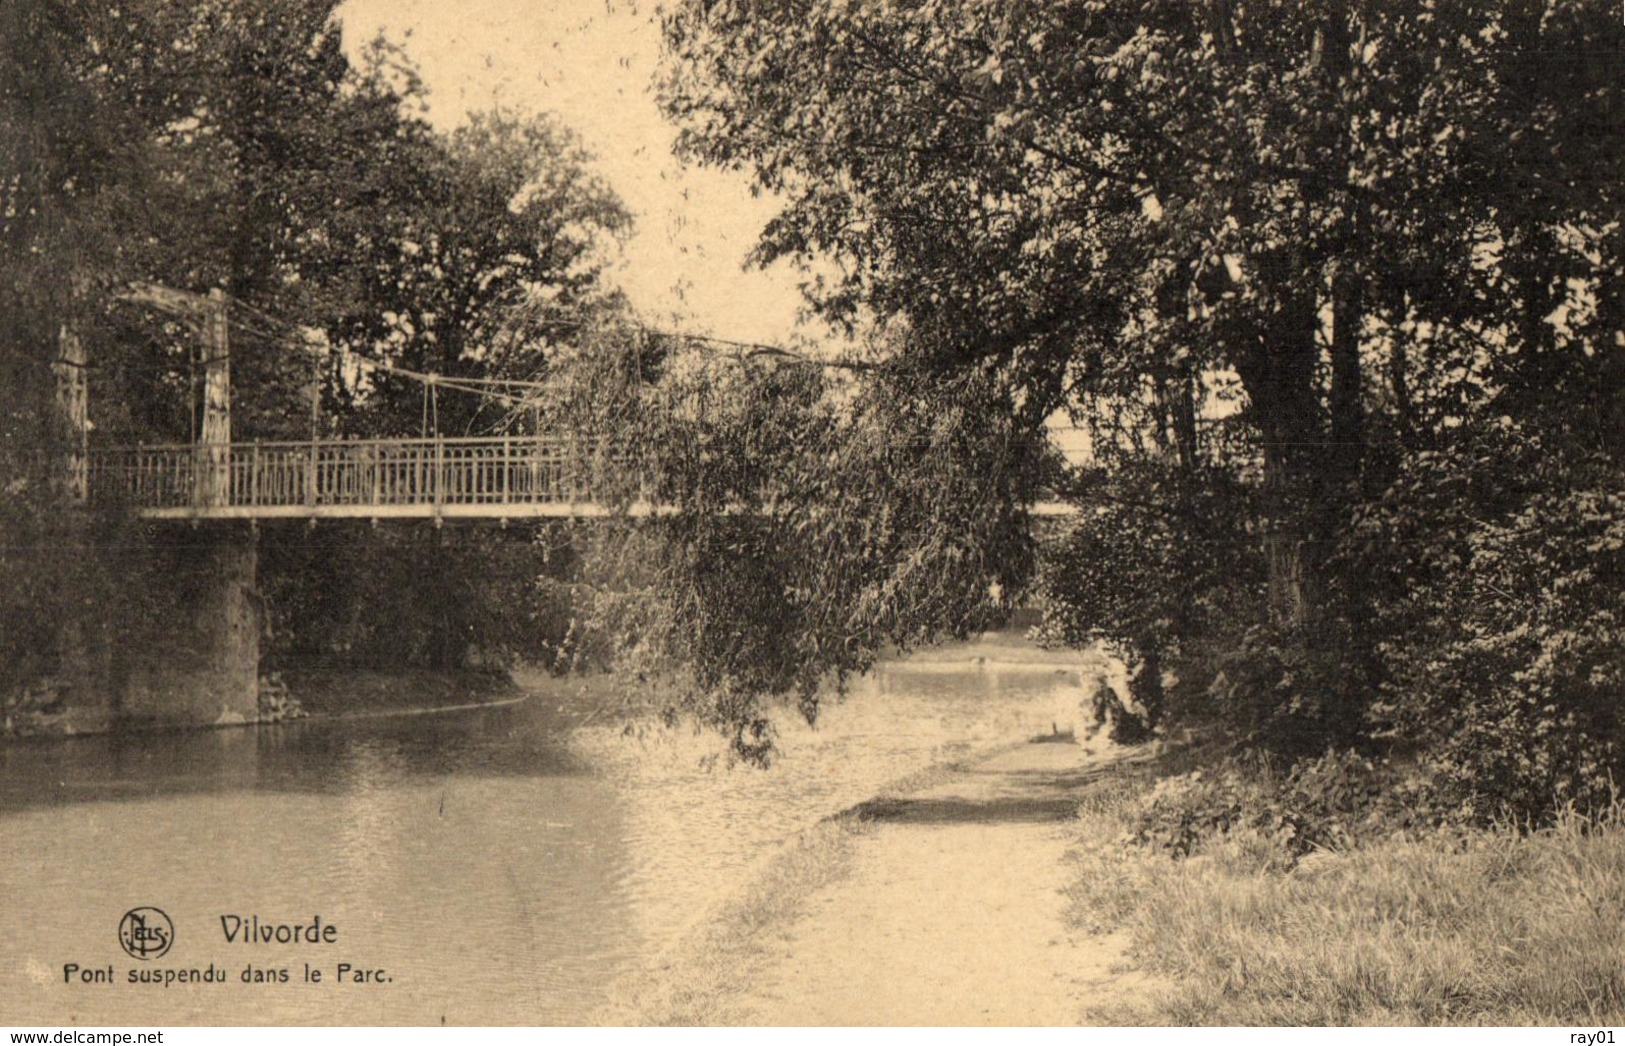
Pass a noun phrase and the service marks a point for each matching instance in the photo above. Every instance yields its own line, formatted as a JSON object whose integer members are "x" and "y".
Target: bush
{"x": 1502, "y": 623}
{"x": 1156, "y": 566}
{"x": 1326, "y": 803}
{"x": 1285, "y": 694}
{"x": 415, "y": 597}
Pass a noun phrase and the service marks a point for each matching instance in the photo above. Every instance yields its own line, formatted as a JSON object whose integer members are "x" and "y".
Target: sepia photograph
{"x": 811, "y": 513}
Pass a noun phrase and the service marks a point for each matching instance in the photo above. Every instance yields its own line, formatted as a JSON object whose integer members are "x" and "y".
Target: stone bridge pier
{"x": 206, "y": 672}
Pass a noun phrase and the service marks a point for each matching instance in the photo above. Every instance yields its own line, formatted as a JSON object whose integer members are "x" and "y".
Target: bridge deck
{"x": 494, "y": 477}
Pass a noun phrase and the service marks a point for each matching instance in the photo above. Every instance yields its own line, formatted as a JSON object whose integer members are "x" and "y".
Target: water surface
{"x": 501, "y": 866}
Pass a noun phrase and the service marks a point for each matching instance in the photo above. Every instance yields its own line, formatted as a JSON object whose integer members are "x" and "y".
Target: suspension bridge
{"x": 234, "y": 484}
{"x": 490, "y": 477}
{"x": 499, "y": 477}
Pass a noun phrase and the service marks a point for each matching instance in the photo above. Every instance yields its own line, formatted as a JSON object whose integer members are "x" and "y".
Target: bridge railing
{"x": 501, "y": 470}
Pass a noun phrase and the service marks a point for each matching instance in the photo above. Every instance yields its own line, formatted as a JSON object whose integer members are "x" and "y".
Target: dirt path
{"x": 952, "y": 913}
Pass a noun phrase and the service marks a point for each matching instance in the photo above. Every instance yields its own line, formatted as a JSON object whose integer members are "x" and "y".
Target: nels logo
{"x": 146, "y": 933}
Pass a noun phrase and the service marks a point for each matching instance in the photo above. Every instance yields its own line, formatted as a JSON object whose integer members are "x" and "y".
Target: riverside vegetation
{"x": 1352, "y": 371}
{"x": 1335, "y": 291}
{"x": 1253, "y": 908}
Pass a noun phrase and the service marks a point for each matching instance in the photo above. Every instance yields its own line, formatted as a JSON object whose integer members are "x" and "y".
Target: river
{"x": 500, "y": 866}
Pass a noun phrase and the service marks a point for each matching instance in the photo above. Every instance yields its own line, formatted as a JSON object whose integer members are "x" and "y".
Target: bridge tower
{"x": 216, "y": 680}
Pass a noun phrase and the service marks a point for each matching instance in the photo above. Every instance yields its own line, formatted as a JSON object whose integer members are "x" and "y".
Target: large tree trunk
{"x": 1183, "y": 410}
{"x": 1279, "y": 376}
{"x": 1347, "y": 451}
{"x": 1344, "y": 36}
{"x": 1399, "y": 385}
{"x": 1185, "y": 407}
{"x": 73, "y": 412}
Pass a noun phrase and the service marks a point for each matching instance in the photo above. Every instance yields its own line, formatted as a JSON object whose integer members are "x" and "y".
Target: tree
{"x": 809, "y": 520}
{"x": 1387, "y": 222}
{"x": 254, "y": 150}
{"x": 486, "y": 255}
{"x": 1081, "y": 192}
{"x": 312, "y": 193}
{"x": 77, "y": 154}
{"x": 231, "y": 144}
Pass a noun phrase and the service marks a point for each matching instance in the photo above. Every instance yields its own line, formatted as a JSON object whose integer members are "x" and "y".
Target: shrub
{"x": 1278, "y": 690}
{"x": 1326, "y": 803}
{"x": 1156, "y": 566}
{"x": 414, "y": 597}
{"x": 1502, "y": 623}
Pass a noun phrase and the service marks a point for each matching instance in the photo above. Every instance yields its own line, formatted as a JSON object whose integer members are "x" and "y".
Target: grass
{"x": 1483, "y": 927}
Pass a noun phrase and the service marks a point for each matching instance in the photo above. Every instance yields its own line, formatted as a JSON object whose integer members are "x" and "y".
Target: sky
{"x": 591, "y": 63}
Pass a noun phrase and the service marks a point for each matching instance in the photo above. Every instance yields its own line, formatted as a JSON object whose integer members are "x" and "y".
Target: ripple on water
{"x": 503, "y": 867}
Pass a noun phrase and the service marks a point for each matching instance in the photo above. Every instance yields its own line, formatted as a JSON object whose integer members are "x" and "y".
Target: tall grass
{"x": 1453, "y": 927}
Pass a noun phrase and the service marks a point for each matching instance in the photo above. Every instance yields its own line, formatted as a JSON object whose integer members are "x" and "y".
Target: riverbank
{"x": 345, "y": 693}
{"x": 1009, "y": 646}
{"x": 1007, "y": 890}
{"x": 1446, "y": 926}
{"x": 940, "y": 901}
{"x": 313, "y": 694}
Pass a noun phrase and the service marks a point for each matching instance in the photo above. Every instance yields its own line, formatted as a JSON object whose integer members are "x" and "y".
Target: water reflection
{"x": 500, "y": 865}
